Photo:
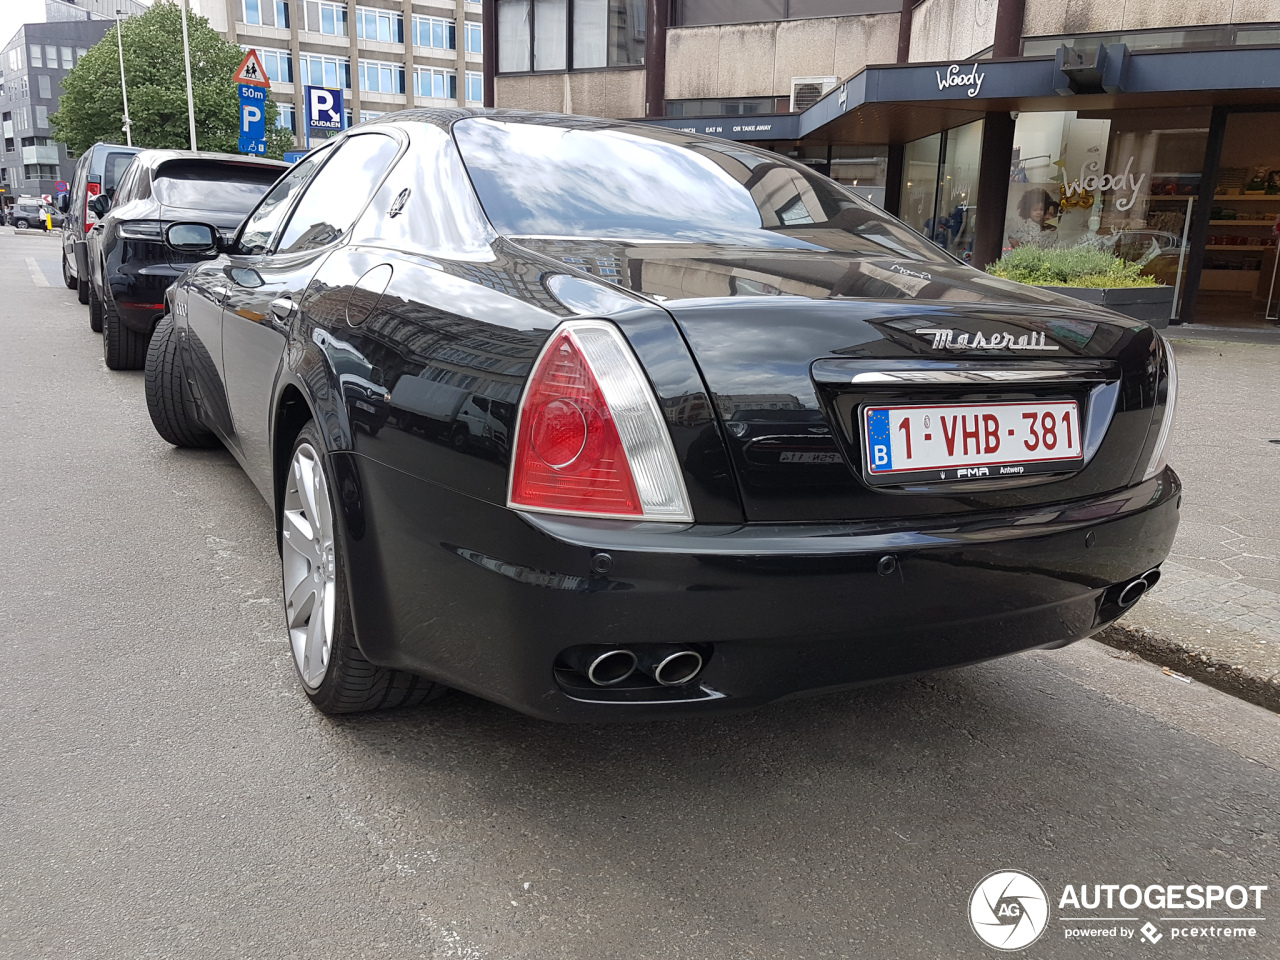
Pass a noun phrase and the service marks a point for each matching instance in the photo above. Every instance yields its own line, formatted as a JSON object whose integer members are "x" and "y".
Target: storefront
{"x": 1170, "y": 159}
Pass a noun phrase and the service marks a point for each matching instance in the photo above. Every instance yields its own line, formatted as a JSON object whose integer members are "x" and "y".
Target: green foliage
{"x": 1069, "y": 267}
{"x": 92, "y": 108}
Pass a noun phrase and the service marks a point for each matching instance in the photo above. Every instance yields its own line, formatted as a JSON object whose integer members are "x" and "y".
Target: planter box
{"x": 1148, "y": 304}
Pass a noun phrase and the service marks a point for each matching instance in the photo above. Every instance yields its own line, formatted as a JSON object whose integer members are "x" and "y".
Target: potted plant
{"x": 1092, "y": 275}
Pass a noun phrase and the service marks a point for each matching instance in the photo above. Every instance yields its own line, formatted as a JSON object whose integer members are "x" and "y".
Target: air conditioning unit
{"x": 806, "y": 91}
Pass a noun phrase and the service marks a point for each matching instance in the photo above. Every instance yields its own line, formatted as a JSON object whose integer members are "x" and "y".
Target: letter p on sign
{"x": 249, "y": 117}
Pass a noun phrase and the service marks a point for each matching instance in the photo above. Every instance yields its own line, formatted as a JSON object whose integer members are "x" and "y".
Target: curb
{"x": 1209, "y": 670}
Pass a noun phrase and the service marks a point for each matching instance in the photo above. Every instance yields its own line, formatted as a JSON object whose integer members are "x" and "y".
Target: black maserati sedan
{"x": 130, "y": 265}
{"x": 745, "y": 436}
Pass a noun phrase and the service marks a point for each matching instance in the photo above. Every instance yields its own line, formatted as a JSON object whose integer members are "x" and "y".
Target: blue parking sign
{"x": 253, "y": 119}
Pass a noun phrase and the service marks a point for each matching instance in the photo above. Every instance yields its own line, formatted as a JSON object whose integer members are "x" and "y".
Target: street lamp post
{"x": 186, "y": 55}
{"x": 128, "y": 135}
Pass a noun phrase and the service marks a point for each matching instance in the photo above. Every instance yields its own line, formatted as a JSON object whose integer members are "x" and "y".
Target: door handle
{"x": 284, "y": 308}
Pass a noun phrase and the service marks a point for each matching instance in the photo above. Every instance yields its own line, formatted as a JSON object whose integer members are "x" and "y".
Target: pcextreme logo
{"x": 1008, "y": 910}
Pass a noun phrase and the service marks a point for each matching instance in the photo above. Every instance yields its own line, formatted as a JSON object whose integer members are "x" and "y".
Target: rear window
{"x": 540, "y": 180}
{"x": 230, "y": 187}
{"x": 113, "y": 169}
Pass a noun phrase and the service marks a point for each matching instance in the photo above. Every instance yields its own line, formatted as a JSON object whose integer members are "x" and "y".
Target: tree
{"x": 92, "y": 108}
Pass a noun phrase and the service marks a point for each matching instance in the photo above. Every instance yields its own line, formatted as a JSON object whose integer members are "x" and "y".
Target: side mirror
{"x": 100, "y": 205}
{"x": 192, "y": 238}
{"x": 64, "y": 202}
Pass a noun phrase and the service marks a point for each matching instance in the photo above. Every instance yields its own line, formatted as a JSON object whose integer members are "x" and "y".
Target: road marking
{"x": 37, "y": 275}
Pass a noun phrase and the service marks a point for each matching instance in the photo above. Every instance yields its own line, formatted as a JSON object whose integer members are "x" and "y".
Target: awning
{"x": 901, "y": 102}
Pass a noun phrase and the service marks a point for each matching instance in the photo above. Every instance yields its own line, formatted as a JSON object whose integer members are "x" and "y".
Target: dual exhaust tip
{"x": 1132, "y": 591}
{"x": 670, "y": 665}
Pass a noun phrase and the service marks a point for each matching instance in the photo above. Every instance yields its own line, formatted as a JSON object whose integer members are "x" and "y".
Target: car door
{"x": 205, "y": 289}
{"x": 262, "y": 307}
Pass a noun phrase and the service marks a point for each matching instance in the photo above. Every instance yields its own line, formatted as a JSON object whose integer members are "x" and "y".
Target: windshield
{"x": 542, "y": 180}
{"x": 232, "y": 188}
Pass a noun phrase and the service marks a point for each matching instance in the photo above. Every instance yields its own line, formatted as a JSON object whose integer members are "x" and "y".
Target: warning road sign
{"x": 250, "y": 71}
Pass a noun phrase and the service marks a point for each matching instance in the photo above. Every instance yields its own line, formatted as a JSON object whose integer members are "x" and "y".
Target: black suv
{"x": 130, "y": 266}
{"x": 97, "y": 172}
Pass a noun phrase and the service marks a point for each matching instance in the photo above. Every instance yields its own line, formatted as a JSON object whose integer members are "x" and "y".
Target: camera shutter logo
{"x": 1008, "y": 910}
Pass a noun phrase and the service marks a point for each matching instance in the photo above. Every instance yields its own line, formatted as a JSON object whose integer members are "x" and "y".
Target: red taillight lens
{"x": 568, "y": 454}
{"x": 590, "y": 437}
{"x": 91, "y": 190}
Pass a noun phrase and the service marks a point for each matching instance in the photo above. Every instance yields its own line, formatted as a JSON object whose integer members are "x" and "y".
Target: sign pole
{"x": 124, "y": 93}
{"x": 186, "y": 55}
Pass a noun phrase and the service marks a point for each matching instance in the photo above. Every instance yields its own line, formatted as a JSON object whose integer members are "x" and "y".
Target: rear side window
{"x": 233, "y": 188}
{"x": 266, "y": 219}
{"x": 338, "y": 193}
{"x": 113, "y": 169}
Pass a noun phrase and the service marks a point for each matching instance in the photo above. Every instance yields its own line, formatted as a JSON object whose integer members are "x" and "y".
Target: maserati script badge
{"x": 944, "y": 339}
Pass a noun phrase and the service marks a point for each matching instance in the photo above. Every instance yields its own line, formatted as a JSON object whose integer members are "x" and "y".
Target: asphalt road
{"x": 166, "y": 791}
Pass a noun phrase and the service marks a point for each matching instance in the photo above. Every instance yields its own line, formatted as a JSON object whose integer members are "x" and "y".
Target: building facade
{"x": 33, "y": 65}
{"x": 1151, "y": 129}
{"x": 385, "y": 55}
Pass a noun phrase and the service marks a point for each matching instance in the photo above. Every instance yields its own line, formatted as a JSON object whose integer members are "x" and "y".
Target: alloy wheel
{"x": 310, "y": 565}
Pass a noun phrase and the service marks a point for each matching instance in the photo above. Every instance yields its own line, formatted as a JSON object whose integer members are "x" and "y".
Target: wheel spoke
{"x": 300, "y": 602}
{"x": 313, "y": 659}
{"x": 302, "y": 529}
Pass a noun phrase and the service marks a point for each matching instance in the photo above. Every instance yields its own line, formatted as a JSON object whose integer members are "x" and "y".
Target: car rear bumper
{"x": 138, "y": 295}
{"x": 483, "y": 599}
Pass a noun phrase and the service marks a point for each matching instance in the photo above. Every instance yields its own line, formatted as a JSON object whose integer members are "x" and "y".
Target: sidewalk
{"x": 1215, "y": 614}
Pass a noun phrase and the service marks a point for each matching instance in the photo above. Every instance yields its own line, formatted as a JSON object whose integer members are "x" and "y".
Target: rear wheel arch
{"x": 292, "y": 413}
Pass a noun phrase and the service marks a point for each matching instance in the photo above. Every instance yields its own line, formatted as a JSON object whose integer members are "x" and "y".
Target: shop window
{"x": 940, "y": 187}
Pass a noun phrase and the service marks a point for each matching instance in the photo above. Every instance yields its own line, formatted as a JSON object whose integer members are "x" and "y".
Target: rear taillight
{"x": 590, "y": 439}
{"x": 1160, "y": 454}
{"x": 91, "y": 190}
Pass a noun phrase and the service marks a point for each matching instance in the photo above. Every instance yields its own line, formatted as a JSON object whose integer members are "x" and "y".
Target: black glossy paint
{"x": 130, "y": 265}
{"x": 410, "y": 345}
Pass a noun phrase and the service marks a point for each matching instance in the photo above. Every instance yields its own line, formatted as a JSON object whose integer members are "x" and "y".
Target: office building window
{"x": 15, "y": 58}
{"x": 42, "y": 118}
{"x": 67, "y": 62}
{"x": 377, "y": 76}
{"x": 80, "y": 52}
{"x": 435, "y": 32}
{"x": 277, "y": 63}
{"x": 282, "y": 14}
{"x": 46, "y": 88}
{"x": 382, "y": 25}
{"x": 252, "y": 11}
{"x": 36, "y": 60}
{"x": 475, "y": 87}
{"x": 534, "y": 34}
{"x": 286, "y": 117}
{"x": 370, "y": 115}
{"x": 475, "y": 37}
{"x": 327, "y": 17}
{"x": 316, "y": 70}
{"x": 433, "y": 82}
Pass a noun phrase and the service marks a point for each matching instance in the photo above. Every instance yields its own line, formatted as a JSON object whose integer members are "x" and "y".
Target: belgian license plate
{"x": 971, "y": 440}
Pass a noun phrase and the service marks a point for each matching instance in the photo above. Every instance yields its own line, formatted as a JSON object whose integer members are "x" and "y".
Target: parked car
{"x": 709, "y": 498}
{"x": 29, "y": 214}
{"x": 97, "y": 172}
{"x": 130, "y": 267}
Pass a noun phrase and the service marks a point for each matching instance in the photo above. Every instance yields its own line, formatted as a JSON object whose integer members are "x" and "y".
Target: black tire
{"x": 122, "y": 347}
{"x": 67, "y": 278}
{"x": 95, "y": 311}
{"x": 82, "y": 294}
{"x": 173, "y": 415}
{"x": 20, "y": 224}
{"x": 352, "y": 684}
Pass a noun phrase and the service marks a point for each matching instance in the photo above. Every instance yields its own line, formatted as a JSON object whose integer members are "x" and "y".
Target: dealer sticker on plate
{"x": 968, "y": 441}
